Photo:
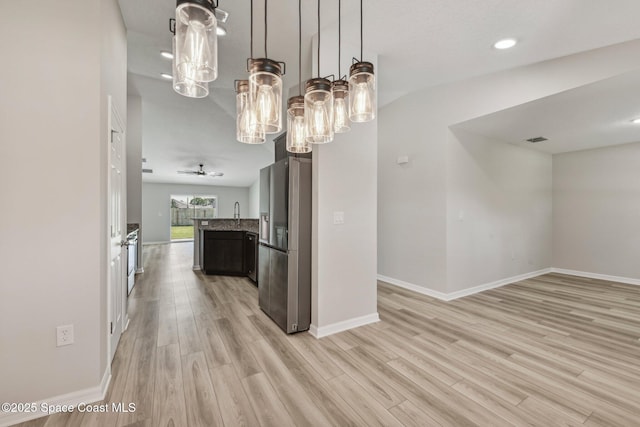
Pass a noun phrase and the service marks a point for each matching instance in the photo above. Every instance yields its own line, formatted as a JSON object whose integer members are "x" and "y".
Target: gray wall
{"x": 417, "y": 205}
{"x": 499, "y": 204}
{"x": 134, "y": 159}
{"x": 254, "y": 200}
{"x": 156, "y": 207}
{"x": 596, "y": 211}
{"x": 53, "y": 121}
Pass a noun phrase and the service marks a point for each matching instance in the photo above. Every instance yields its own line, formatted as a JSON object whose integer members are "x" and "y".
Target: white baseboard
{"x": 139, "y": 270}
{"x": 197, "y": 268}
{"x": 89, "y": 395}
{"x": 619, "y": 279}
{"x": 464, "y": 292}
{"x": 415, "y": 288}
{"x": 334, "y": 328}
{"x": 498, "y": 283}
{"x": 156, "y": 243}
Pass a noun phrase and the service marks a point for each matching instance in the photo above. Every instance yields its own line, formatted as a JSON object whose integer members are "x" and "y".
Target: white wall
{"x": 413, "y": 207}
{"x": 344, "y": 255}
{"x": 134, "y": 159}
{"x": 156, "y": 215}
{"x": 254, "y": 200}
{"x": 499, "y": 204}
{"x": 596, "y": 211}
{"x": 53, "y": 258}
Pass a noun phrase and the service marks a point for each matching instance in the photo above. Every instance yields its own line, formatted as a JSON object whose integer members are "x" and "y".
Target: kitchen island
{"x": 235, "y": 239}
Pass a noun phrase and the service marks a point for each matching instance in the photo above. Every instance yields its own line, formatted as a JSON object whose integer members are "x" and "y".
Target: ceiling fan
{"x": 201, "y": 172}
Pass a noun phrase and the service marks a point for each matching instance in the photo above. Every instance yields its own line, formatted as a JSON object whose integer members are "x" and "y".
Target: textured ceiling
{"x": 419, "y": 44}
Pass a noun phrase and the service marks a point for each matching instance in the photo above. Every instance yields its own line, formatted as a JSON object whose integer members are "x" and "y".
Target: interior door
{"x": 117, "y": 253}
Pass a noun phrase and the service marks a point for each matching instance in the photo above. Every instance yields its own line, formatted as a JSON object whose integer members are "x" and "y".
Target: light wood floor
{"x": 555, "y": 350}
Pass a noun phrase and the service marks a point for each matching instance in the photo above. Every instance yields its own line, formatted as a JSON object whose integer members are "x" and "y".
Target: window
{"x": 185, "y": 208}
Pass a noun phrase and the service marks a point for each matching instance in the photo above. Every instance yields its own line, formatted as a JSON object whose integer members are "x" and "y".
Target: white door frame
{"x": 116, "y": 130}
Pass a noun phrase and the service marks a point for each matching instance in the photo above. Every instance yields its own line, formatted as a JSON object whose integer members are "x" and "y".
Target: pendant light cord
{"x": 300, "y": 47}
{"x": 251, "y": 33}
{"x": 361, "y": 55}
{"x": 318, "y": 38}
{"x": 339, "y": 37}
{"x": 266, "y": 55}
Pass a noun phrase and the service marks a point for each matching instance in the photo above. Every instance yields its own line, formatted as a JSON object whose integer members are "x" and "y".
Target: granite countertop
{"x": 132, "y": 227}
{"x": 228, "y": 224}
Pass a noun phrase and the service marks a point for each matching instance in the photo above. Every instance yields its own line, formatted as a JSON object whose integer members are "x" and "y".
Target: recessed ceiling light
{"x": 221, "y": 31}
{"x": 166, "y": 54}
{"x": 636, "y": 121}
{"x": 505, "y": 43}
{"x": 167, "y": 76}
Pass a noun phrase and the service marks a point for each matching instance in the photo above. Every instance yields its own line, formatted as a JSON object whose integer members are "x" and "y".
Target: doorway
{"x": 186, "y": 207}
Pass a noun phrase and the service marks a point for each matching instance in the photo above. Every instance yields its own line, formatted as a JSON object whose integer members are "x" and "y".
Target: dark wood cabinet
{"x": 224, "y": 252}
{"x": 251, "y": 255}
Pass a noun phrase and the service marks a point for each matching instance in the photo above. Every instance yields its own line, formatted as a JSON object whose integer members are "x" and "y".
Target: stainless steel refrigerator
{"x": 284, "y": 254}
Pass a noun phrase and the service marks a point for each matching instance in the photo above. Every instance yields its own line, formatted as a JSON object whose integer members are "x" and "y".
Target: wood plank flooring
{"x": 552, "y": 351}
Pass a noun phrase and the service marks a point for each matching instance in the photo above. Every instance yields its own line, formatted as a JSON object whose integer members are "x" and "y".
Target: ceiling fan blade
{"x": 188, "y": 172}
{"x": 214, "y": 174}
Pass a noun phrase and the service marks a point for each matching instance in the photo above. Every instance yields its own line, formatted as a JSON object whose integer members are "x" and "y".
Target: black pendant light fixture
{"x": 318, "y": 105}
{"x": 340, "y": 88}
{"x": 362, "y": 87}
{"x": 265, "y": 87}
{"x": 248, "y": 130}
{"x": 195, "y": 47}
{"x": 296, "y": 132}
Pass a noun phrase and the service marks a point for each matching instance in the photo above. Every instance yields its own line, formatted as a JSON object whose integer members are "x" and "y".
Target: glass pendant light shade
{"x": 318, "y": 111}
{"x": 296, "y": 135}
{"x": 362, "y": 92}
{"x": 265, "y": 91}
{"x": 340, "y": 91}
{"x": 185, "y": 84}
{"x": 196, "y": 52}
{"x": 247, "y": 128}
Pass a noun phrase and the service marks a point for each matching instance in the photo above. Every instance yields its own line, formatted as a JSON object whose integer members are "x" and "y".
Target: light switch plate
{"x": 338, "y": 217}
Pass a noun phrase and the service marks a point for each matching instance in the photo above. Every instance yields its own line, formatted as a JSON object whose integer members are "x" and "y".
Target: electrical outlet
{"x": 65, "y": 335}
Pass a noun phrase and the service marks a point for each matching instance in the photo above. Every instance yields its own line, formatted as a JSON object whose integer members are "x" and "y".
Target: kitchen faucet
{"x": 236, "y": 213}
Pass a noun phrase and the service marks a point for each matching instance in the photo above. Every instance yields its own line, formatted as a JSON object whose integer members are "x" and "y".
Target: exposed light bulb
{"x": 320, "y": 121}
{"x": 266, "y": 104}
{"x": 341, "y": 120}
{"x": 249, "y": 121}
{"x": 297, "y": 132}
{"x": 196, "y": 41}
{"x": 362, "y": 99}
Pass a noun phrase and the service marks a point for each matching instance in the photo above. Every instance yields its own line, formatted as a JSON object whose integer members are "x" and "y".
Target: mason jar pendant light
{"x": 362, "y": 87}
{"x": 296, "y": 133}
{"x": 185, "y": 84}
{"x": 318, "y": 105}
{"x": 340, "y": 88}
{"x": 195, "y": 53}
{"x": 265, "y": 87}
{"x": 247, "y": 128}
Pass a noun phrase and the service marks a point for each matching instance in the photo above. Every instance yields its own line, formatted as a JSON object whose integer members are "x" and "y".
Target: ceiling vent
{"x": 536, "y": 139}
{"x": 147, "y": 170}
{"x": 144, "y": 160}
